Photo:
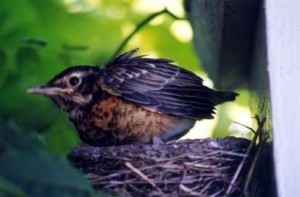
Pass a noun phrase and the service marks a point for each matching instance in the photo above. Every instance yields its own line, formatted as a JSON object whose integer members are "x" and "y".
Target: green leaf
{"x": 7, "y": 188}
{"x": 43, "y": 175}
{"x": 26, "y": 164}
{"x": 13, "y": 139}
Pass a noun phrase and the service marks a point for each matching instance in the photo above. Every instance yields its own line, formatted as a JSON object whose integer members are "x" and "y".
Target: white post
{"x": 283, "y": 47}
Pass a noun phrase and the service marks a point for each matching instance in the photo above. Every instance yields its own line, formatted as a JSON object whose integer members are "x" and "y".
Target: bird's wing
{"x": 158, "y": 85}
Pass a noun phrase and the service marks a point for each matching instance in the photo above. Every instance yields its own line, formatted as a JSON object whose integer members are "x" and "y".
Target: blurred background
{"x": 38, "y": 39}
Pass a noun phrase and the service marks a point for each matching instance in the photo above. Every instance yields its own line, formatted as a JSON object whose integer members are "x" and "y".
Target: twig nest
{"x": 185, "y": 168}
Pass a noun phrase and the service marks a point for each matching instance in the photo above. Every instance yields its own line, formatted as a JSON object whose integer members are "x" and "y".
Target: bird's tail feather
{"x": 219, "y": 97}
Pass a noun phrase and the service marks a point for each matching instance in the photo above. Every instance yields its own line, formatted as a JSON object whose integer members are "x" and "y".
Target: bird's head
{"x": 71, "y": 88}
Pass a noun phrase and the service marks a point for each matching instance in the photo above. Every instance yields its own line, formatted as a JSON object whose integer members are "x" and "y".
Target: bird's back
{"x": 160, "y": 86}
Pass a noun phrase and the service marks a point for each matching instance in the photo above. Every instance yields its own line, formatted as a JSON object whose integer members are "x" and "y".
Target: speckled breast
{"x": 110, "y": 120}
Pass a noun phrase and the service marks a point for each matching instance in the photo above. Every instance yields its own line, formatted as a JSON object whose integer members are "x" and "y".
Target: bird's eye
{"x": 74, "y": 81}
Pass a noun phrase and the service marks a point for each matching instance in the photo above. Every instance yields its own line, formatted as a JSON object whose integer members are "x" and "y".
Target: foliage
{"x": 27, "y": 169}
{"x": 38, "y": 39}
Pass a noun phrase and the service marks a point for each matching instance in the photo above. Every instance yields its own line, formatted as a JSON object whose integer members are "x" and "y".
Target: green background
{"x": 38, "y": 39}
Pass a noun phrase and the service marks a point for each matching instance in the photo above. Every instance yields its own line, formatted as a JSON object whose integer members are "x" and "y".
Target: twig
{"x": 249, "y": 149}
{"x": 189, "y": 190}
{"x": 244, "y": 126}
{"x": 142, "y": 175}
{"x": 253, "y": 166}
{"x": 140, "y": 26}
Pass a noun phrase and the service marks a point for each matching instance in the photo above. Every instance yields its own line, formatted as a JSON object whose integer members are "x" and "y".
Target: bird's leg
{"x": 156, "y": 140}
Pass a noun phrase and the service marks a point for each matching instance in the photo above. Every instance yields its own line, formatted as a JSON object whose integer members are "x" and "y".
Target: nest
{"x": 207, "y": 167}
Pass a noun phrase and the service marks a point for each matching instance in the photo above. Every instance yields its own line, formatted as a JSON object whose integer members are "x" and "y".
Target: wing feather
{"x": 158, "y": 85}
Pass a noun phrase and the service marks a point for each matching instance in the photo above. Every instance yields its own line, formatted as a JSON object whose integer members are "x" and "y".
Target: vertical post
{"x": 283, "y": 38}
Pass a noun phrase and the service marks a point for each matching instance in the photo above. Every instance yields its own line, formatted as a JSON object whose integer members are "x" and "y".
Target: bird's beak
{"x": 48, "y": 91}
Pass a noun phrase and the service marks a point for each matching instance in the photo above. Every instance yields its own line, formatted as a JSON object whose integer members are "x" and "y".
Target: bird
{"x": 132, "y": 99}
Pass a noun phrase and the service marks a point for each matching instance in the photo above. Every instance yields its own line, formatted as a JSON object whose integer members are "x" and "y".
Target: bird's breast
{"x": 114, "y": 121}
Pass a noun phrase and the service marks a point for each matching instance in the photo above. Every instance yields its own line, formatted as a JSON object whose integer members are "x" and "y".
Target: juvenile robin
{"x": 132, "y": 100}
